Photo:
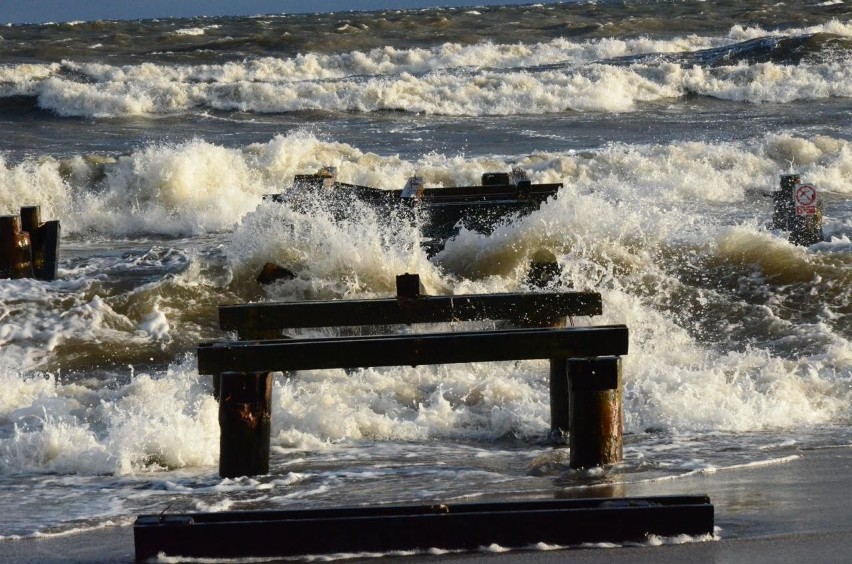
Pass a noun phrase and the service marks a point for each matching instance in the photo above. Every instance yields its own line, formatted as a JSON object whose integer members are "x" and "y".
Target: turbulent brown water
{"x": 153, "y": 142}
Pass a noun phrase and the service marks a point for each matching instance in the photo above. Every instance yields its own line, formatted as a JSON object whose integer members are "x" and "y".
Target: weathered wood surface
{"x": 525, "y": 309}
{"x": 411, "y": 350}
{"x": 245, "y": 411}
{"x": 420, "y": 527}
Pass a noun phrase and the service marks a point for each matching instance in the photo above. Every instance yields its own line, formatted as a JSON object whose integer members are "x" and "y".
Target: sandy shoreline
{"x": 796, "y": 510}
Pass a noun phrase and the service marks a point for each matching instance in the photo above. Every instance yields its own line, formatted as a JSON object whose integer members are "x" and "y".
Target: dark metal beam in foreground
{"x": 452, "y": 527}
{"x": 393, "y": 311}
{"x": 411, "y": 350}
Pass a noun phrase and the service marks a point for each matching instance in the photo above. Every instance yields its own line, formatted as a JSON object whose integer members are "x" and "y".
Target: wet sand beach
{"x": 793, "y": 511}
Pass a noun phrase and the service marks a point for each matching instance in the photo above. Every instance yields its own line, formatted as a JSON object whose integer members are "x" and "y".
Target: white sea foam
{"x": 155, "y": 324}
{"x": 835, "y": 26}
{"x": 147, "y": 424}
{"x": 194, "y": 187}
{"x": 197, "y": 187}
{"x": 594, "y": 87}
{"x": 452, "y": 79}
{"x": 674, "y": 381}
{"x": 23, "y": 74}
{"x": 33, "y": 182}
{"x": 625, "y": 207}
{"x": 189, "y": 31}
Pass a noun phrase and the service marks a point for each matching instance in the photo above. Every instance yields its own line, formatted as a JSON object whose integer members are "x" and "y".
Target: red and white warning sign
{"x": 806, "y": 199}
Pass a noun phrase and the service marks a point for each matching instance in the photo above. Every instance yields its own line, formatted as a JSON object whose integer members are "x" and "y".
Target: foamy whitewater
{"x": 153, "y": 142}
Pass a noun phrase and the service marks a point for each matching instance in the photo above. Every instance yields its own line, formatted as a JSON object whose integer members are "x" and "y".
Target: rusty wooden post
{"x": 245, "y": 410}
{"x": 15, "y": 249}
{"x": 784, "y": 209}
{"x": 30, "y": 218}
{"x": 248, "y": 333}
{"x": 409, "y": 286}
{"x": 46, "y": 251}
{"x": 44, "y": 242}
{"x": 44, "y": 238}
{"x": 544, "y": 270}
{"x": 560, "y": 401}
{"x": 597, "y": 420}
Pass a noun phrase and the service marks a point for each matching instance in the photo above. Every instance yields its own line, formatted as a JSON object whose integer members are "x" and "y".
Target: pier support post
{"x": 245, "y": 409}
{"x": 45, "y": 245}
{"x": 596, "y": 417}
{"x": 15, "y": 249}
{"x": 544, "y": 271}
{"x": 784, "y": 209}
{"x": 408, "y": 286}
{"x": 806, "y": 230}
{"x": 798, "y": 209}
{"x": 30, "y": 218}
{"x": 806, "y": 222}
{"x": 560, "y": 402}
{"x": 40, "y": 251}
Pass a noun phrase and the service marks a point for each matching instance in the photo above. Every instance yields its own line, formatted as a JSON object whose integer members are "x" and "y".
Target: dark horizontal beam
{"x": 389, "y": 528}
{"x": 458, "y": 193}
{"x": 486, "y": 193}
{"x": 411, "y": 350}
{"x": 524, "y": 308}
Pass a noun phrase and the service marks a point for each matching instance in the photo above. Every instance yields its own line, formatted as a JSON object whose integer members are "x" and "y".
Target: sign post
{"x": 806, "y": 198}
{"x": 806, "y": 224}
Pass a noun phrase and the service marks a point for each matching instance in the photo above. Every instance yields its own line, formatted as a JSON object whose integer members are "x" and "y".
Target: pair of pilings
{"x": 585, "y": 407}
{"x": 588, "y": 389}
{"x": 585, "y": 393}
{"x": 28, "y": 247}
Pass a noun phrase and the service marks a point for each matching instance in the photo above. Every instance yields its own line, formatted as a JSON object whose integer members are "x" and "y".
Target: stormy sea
{"x": 669, "y": 123}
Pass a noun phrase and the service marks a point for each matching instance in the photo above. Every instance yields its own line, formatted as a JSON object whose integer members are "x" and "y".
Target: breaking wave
{"x": 602, "y": 75}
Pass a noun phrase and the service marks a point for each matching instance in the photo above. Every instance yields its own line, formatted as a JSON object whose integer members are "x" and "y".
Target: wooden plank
{"x": 411, "y": 350}
{"x": 483, "y": 193}
{"x": 524, "y": 308}
{"x": 389, "y": 528}
{"x": 489, "y": 193}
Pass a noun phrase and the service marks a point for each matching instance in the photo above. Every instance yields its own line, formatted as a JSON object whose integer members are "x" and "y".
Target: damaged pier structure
{"x": 443, "y": 210}
{"x": 29, "y": 248}
{"x": 585, "y": 388}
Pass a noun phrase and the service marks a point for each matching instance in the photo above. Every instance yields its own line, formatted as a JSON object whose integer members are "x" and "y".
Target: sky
{"x": 41, "y": 11}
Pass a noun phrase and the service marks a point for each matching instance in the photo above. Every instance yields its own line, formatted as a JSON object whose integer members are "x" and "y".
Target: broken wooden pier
{"x": 585, "y": 387}
{"x": 584, "y": 366}
{"x": 443, "y": 210}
